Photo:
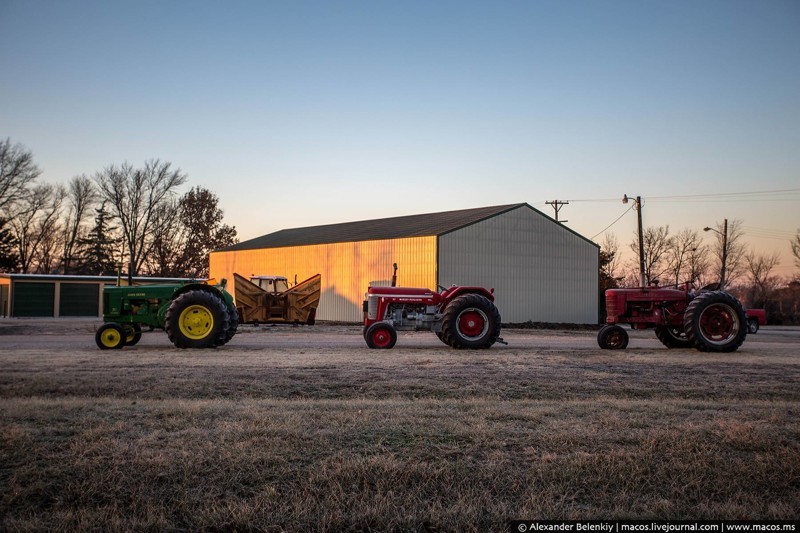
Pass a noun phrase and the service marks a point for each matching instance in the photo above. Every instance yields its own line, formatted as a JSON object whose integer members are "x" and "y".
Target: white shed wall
{"x": 540, "y": 271}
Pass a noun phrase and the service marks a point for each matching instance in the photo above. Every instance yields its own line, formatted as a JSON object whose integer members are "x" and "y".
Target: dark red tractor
{"x": 708, "y": 320}
{"x": 462, "y": 317}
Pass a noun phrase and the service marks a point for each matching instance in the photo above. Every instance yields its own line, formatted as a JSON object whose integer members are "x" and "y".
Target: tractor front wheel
{"x": 715, "y": 322}
{"x": 110, "y": 337}
{"x": 380, "y": 336}
{"x": 471, "y": 321}
{"x": 133, "y": 334}
{"x": 612, "y": 337}
{"x": 752, "y": 326}
{"x": 672, "y": 337}
{"x": 196, "y": 319}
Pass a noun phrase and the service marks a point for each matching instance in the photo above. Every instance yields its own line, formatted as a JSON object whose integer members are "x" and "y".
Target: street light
{"x": 638, "y": 206}
{"x": 724, "y": 234}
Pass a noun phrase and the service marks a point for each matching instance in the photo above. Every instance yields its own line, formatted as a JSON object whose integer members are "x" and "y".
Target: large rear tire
{"x": 612, "y": 337}
{"x": 233, "y": 326}
{"x": 673, "y": 337}
{"x": 715, "y": 322}
{"x": 471, "y": 321}
{"x": 196, "y": 319}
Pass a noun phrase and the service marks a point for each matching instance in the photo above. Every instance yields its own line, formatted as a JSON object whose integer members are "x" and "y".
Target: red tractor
{"x": 709, "y": 320}
{"x": 462, "y": 317}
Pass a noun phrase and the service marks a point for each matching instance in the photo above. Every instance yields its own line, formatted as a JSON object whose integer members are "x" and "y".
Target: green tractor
{"x": 194, "y": 315}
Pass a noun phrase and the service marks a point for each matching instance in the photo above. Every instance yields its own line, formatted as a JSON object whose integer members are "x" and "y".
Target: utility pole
{"x": 724, "y": 251}
{"x": 724, "y": 255}
{"x": 638, "y": 207}
{"x": 557, "y": 204}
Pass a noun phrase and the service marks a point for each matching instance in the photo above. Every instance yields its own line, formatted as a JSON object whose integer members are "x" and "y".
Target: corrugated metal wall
{"x": 540, "y": 271}
{"x": 347, "y": 269}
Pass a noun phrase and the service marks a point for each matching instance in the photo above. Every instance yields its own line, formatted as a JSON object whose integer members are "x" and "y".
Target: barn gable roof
{"x": 426, "y": 225}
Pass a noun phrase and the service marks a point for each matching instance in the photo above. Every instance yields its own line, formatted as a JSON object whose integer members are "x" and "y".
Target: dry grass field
{"x": 289, "y": 429}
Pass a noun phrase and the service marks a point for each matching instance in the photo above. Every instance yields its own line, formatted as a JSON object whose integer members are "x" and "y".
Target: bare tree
{"x": 796, "y": 249}
{"x": 17, "y": 173}
{"x": 735, "y": 263}
{"x": 657, "y": 242}
{"x": 81, "y": 196}
{"x": 34, "y": 219}
{"x": 135, "y": 195}
{"x": 168, "y": 242}
{"x": 193, "y": 228}
{"x": 759, "y": 275}
{"x": 685, "y": 257}
{"x": 610, "y": 246}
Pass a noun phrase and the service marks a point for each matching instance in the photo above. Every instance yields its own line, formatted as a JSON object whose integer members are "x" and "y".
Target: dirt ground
{"x": 288, "y": 428}
{"x": 333, "y": 361}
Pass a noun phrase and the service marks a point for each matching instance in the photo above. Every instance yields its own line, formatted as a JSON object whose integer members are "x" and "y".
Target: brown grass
{"x": 315, "y": 432}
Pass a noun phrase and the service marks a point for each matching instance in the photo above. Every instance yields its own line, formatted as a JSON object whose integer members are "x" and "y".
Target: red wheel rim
{"x": 615, "y": 339}
{"x": 472, "y": 323}
{"x": 381, "y": 338}
{"x": 719, "y": 323}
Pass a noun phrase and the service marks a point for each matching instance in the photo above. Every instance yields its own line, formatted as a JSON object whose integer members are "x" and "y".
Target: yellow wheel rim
{"x": 196, "y": 322}
{"x": 111, "y": 338}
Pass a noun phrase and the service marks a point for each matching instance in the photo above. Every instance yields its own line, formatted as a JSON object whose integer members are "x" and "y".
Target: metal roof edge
{"x": 517, "y": 206}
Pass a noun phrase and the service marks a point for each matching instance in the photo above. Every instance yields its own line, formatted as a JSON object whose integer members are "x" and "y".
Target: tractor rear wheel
{"x": 196, "y": 319}
{"x": 380, "y": 336}
{"x": 715, "y": 322}
{"x": 612, "y": 337}
{"x": 672, "y": 337}
{"x": 110, "y": 337}
{"x": 471, "y": 321}
{"x": 133, "y": 334}
{"x": 233, "y": 326}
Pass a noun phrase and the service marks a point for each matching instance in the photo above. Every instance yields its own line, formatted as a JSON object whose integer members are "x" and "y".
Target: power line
{"x": 615, "y": 221}
{"x": 730, "y": 196}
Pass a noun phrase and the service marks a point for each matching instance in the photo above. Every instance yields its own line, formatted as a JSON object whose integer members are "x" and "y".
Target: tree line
{"x": 122, "y": 214}
{"x": 683, "y": 259}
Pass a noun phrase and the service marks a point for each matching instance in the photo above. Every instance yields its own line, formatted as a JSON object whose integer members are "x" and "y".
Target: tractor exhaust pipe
{"x": 394, "y": 275}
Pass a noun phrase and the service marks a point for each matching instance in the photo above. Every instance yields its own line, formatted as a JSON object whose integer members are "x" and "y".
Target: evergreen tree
{"x": 97, "y": 251}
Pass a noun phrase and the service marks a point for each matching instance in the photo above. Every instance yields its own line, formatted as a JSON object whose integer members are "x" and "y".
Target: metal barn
{"x": 541, "y": 271}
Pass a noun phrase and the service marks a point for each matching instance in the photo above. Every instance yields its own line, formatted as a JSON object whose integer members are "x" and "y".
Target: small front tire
{"x": 133, "y": 334}
{"x": 380, "y": 336}
{"x": 110, "y": 337}
{"x": 612, "y": 337}
{"x": 752, "y": 326}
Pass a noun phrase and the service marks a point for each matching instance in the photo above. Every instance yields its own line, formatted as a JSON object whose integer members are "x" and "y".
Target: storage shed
{"x": 541, "y": 271}
{"x": 45, "y": 295}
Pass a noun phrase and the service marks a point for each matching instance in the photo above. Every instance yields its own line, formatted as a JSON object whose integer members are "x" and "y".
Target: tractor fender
{"x": 455, "y": 291}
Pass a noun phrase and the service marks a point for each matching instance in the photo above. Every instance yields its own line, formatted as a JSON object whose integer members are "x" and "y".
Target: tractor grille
{"x": 611, "y": 307}
{"x": 372, "y": 307}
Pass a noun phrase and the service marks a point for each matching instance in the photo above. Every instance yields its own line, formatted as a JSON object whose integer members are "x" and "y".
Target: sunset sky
{"x": 304, "y": 113}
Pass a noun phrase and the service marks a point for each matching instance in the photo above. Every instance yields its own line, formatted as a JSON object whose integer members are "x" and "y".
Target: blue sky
{"x": 304, "y": 113}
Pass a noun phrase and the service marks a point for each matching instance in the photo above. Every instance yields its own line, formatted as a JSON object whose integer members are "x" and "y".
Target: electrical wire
{"x": 615, "y": 221}
{"x": 747, "y": 196}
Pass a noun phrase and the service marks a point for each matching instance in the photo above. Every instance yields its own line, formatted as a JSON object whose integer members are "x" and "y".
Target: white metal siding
{"x": 540, "y": 271}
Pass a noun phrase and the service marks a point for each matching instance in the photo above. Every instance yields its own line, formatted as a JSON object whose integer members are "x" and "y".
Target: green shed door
{"x": 34, "y": 299}
{"x": 78, "y": 299}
